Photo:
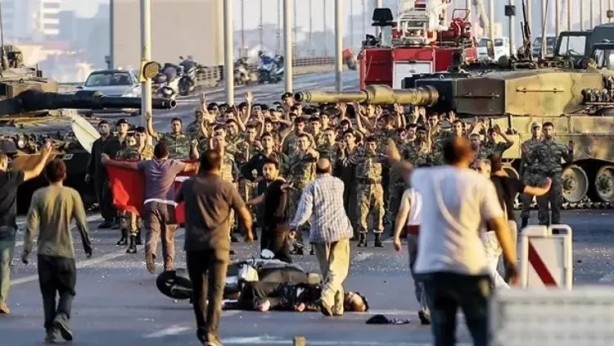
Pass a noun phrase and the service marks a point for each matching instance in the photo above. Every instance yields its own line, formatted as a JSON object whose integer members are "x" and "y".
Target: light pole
{"x": 242, "y": 49}
{"x": 228, "y": 54}
{"x": 338, "y": 45}
{"x": 288, "y": 56}
{"x": 146, "y": 56}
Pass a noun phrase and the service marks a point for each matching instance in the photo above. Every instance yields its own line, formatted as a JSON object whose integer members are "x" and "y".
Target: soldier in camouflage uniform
{"x": 370, "y": 192}
{"x": 180, "y": 146}
{"x": 315, "y": 129}
{"x": 491, "y": 146}
{"x": 136, "y": 149}
{"x": 346, "y": 170}
{"x": 300, "y": 170}
{"x": 328, "y": 148}
{"x": 229, "y": 170}
{"x": 289, "y": 143}
{"x": 548, "y": 154}
{"x": 528, "y": 172}
{"x": 246, "y": 148}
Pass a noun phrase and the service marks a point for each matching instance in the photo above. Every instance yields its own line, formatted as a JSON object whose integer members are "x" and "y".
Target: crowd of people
{"x": 340, "y": 170}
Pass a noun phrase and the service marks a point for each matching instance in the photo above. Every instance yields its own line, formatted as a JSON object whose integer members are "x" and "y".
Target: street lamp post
{"x": 146, "y": 106}
{"x": 288, "y": 56}
{"x": 228, "y": 54}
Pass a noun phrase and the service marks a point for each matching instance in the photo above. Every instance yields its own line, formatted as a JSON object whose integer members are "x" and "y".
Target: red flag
{"x": 128, "y": 190}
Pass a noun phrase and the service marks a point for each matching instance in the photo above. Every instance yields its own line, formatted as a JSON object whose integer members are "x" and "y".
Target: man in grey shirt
{"x": 209, "y": 201}
{"x": 159, "y": 204}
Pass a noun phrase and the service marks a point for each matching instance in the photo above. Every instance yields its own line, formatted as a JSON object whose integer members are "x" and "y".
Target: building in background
{"x": 31, "y": 19}
{"x": 179, "y": 27}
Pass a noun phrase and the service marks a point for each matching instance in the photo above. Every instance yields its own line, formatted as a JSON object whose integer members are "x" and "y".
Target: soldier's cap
{"x": 286, "y": 95}
{"x": 121, "y": 121}
{"x": 534, "y": 125}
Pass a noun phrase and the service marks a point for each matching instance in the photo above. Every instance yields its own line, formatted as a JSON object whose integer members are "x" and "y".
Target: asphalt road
{"x": 117, "y": 302}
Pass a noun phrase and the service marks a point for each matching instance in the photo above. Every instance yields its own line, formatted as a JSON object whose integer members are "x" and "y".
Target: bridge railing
{"x": 212, "y": 75}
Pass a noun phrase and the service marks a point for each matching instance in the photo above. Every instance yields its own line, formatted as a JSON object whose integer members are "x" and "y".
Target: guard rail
{"x": 212, "y": 75}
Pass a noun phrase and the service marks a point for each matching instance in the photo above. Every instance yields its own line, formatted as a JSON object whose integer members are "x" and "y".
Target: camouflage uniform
{"x": 548, "y": 155}
{"x": 129, "y": 221}
{"x": 529, "y": 174}
{"x": 179, "y": 146}
{"x": 193, "y": 130}
{"x": 229, "y": 172}
{"x": 346, "y": 168}
{"x": 491, "y": 148}
{"x": 245, "y": 150}
{"x": 370, "y": 192}
{"x": 330, "y": 152}
{"x": 382, "y": 136}
{"x": 300, "y": 171}
{"x": 437, "y": 141}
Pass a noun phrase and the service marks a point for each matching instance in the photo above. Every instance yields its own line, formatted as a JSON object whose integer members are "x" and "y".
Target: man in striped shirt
{"x": 331, "y": 230}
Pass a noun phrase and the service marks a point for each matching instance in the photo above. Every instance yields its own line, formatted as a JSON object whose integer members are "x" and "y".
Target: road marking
{"x": 91, "y": 218}
{"x": 607, "y": 278}
{"x": 174, "y": 330}
{"x": 266, "y": 340}
{"x": 87, "y": 263}
{"x": 363, "y": 256}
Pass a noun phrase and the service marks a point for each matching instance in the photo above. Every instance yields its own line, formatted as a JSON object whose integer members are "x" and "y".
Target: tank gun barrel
{"x": 34, "y": 100}
{"x": 374, "y": 94}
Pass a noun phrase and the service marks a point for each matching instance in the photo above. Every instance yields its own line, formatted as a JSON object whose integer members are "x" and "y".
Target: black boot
{"x": 124, "y": 238}
{"x": 362, "y": 240}
{"x": 132, "y": 247}
{"x": 138, "y": 240}
{"x": 378, "y": 240}
{"x": 524, "y": 222}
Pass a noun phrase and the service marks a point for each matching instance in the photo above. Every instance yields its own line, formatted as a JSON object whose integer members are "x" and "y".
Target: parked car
{"x": 115, "y": 83}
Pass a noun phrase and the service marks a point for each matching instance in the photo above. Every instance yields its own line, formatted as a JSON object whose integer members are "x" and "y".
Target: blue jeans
{"x": 446, "y": 292}
{"x": 7, "y": 247}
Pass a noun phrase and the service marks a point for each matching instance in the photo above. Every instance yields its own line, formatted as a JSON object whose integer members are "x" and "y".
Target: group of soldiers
{"x": 352, "y": 136}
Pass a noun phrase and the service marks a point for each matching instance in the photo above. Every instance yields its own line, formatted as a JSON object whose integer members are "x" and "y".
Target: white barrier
{"x": 546, "y": 257}
{"x": 552, "y": 317}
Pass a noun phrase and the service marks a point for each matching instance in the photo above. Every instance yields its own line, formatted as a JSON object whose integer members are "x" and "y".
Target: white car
{"x": 116, "y": 83}
{"x": 501, "y": 47}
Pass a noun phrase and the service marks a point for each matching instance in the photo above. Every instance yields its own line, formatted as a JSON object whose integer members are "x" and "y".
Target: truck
{"x": 416, "y": 42}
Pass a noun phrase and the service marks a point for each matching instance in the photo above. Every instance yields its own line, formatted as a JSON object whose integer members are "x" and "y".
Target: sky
{"x": 87, "y": 8}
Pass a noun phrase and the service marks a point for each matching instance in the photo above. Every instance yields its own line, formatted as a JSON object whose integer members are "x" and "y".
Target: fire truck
{"x": 417, "y": 42}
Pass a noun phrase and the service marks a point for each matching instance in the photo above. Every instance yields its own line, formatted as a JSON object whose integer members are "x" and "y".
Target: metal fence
{"x": 212, "y": 75}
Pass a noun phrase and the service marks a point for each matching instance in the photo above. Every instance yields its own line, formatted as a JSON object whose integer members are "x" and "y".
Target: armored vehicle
{"x": 580, "y": 104}
{"x": 32, "y": 111}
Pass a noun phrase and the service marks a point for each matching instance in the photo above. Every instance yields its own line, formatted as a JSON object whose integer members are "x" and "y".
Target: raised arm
{"x": 40, "y": 165}
{"x": 106, "y": 160}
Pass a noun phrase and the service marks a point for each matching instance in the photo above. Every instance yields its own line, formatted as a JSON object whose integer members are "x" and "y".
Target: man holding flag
{"x": 158, "y": 193}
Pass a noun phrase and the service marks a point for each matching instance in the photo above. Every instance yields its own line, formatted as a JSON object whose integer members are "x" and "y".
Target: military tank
{"x": 32, "y": 111}
{"x": 580, "y": 104}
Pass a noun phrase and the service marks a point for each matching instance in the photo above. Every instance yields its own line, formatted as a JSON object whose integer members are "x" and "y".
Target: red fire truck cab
{"x": 415, "y": 43}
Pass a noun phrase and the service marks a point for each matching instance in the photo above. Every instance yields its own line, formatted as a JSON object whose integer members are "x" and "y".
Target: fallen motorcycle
{"x": 177, "y": 285}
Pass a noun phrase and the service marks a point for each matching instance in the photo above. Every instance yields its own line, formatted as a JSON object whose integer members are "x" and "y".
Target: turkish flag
{"x": 128, "y": 190}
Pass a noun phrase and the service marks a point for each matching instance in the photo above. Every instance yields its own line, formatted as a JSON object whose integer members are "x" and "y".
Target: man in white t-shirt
{"x": 408, "y": 216}
{"x": 451, "y": 261}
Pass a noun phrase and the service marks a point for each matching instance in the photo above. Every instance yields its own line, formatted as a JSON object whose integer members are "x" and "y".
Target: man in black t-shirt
{"x": 9, "y": 182}
{"x": 508, "y": 188}
{"x": 274, "y": 200}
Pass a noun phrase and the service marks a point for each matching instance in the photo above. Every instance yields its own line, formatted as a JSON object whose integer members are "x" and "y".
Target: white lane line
{"x": 91, "y": 218}
{"x": 265, "y": 340}
{"x": 363, "y": 256}
{"x": 87, "y": 263}
{"x": 607, "y": 278}
{"x": 174, "y": 330}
